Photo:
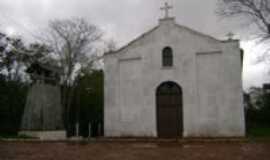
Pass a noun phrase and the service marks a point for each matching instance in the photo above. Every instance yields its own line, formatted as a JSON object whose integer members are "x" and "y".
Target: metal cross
{"x": 166, "y": 8}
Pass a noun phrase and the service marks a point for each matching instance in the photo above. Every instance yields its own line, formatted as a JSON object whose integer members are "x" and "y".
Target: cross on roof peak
{"x": 166, "y": 8}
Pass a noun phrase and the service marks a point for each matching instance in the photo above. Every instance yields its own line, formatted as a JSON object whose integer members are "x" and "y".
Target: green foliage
{"x": 82, "y": 101}
{"x": 12, "y": 101}
{"x": 13, "y": 136}
{"x": 259, "y": 131}
{"x": 258, "y": 113}
{"x": 14, "y": 58}
{"x": 88, "y": 104}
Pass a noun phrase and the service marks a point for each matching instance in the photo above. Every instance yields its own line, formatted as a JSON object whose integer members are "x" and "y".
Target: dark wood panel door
{"x": 169, "y": 110}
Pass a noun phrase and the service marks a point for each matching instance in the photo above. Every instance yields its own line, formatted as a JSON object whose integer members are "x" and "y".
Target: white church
{"x": 173, "y": 81}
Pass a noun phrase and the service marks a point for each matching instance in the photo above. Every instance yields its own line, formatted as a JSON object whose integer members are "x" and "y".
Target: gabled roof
{"x": 153, "y": 29}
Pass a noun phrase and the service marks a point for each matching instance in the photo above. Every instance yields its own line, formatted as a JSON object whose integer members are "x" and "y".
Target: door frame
{"x": 181, "y": 110}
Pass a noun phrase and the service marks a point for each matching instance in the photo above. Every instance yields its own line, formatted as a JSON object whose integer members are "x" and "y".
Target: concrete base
{"x": 45, "y": 135}
{"x": 76, "y": 138}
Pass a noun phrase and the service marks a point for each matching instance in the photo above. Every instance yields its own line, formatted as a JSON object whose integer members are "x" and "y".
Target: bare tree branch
{"x": 74, "y": 42}
{"x": 256, "y": 11}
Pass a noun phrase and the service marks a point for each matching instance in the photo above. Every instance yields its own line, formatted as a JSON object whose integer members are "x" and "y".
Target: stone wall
{"x": 43, "y": 110}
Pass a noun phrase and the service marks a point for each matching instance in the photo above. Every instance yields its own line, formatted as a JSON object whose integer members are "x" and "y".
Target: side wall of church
{"x": 220, "y": 109}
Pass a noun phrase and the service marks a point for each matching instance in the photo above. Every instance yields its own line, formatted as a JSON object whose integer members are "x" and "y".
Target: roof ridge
{"x": 197, "y": 32}
{"x": 134, "y": 40}
{"x": 157, "y": 26}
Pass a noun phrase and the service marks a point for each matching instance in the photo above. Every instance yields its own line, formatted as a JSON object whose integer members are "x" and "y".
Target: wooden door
{"x": 169, "y": 110}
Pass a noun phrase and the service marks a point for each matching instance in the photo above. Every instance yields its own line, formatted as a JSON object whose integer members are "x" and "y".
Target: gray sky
{"x": 123, "y": 20}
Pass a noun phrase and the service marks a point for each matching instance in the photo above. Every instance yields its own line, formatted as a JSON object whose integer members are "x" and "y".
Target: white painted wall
{"x": 208, "y": 70}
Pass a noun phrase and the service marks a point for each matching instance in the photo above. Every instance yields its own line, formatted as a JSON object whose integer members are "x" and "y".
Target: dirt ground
{"x": 134, "y": 151}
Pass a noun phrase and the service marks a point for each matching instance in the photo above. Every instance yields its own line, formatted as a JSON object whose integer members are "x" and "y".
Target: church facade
{"x": 174, "y": 82}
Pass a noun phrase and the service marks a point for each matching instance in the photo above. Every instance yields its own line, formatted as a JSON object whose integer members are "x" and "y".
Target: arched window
{"x": 167, "y": 57}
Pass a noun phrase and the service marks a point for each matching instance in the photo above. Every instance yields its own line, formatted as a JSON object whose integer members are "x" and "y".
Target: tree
{"x": 89, "y": 96}
{"x": 254, "y": 11}
{"x": 258, "y": 110}
{"x": 256, "y": 97}
{"x": 12, "y": 56}
{"x": 15, "y": 56}
{"x": 73, "y": 41}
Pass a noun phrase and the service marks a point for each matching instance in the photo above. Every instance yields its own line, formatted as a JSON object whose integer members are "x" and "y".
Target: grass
{"x": 15, "y": 137}
{"x": 259, "y": 132}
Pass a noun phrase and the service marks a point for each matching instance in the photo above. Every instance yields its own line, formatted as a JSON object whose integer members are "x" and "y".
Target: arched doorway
{"x": 169, "y": 110}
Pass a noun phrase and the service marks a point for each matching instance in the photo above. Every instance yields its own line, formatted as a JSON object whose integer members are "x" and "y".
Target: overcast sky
{"x": 123, "y": 20}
